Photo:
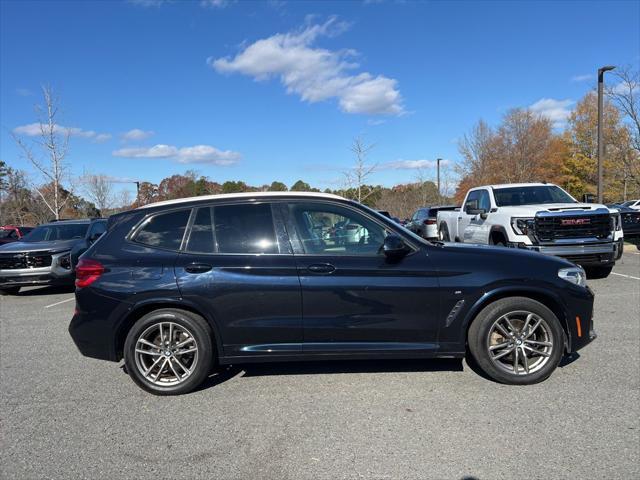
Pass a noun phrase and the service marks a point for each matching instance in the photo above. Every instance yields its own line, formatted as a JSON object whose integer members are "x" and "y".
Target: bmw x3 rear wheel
{"x": 169, "y": 351}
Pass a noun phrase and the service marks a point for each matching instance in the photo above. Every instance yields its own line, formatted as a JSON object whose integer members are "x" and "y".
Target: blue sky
{"x": 263, "y": 91}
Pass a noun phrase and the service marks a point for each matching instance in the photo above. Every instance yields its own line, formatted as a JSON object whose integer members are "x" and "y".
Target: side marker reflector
{"x": 579, "y": 326}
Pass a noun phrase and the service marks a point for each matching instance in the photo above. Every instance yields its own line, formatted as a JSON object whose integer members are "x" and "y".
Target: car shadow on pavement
{"x": 227, "y": 372}
{"x": 39, "y": 291}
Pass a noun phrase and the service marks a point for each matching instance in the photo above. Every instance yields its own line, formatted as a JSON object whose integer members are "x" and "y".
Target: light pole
{"x": 438, "y": 160}
{"x": 601, "y": 71}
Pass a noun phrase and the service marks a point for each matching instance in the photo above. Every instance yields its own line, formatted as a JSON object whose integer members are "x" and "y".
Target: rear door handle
{"x": 323, "y": 268}
{"x": 197, "y": 268}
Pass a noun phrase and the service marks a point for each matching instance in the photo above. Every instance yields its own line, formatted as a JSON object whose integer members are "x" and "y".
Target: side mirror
{"x": 477, "y": 211}
{"x": 394, "y": 247}
{"x": 94, "y": 238}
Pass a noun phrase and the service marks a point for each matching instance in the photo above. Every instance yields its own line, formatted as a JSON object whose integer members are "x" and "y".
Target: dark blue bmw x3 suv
{"x": 178, "y": 287}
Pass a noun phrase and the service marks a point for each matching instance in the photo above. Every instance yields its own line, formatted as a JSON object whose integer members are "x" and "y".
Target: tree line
{"x": 523, "y": 147}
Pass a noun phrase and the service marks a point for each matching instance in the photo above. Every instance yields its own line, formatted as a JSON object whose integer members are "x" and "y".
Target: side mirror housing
{"x": 477, "y": 211}
{"x": 94, "y": 238}
{"x": 394, "y": 247}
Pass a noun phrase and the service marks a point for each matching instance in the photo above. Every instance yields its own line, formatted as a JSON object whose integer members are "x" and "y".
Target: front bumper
{"x": 53, "y": 274}
{"x": 582, "y": 254}
{"x": 579, "y": 312}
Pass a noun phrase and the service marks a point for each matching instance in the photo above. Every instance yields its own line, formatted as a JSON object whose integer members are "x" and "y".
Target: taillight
{"x": 429, "y": 221}
{"x": 87, "y": 272}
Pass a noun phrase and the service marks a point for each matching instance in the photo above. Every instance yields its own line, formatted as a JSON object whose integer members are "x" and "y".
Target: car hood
{"x": 578, "y": 208}
{"x": 511, "y": 256}
{"x": 50, "y": 246}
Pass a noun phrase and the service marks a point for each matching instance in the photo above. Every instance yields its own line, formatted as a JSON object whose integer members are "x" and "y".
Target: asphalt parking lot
{"x": 66, "y": 416}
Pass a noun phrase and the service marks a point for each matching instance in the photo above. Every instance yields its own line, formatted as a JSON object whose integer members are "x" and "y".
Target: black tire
{"x": 444, "y": 232}
{"x": 594, "y": 273}
{"x": 199, "y": 330}
{"x": 481, "y": 332}
{"x": 9, "y": 290}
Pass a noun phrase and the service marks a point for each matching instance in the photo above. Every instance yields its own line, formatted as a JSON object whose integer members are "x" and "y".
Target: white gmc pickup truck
{"x": 541, "y": 217}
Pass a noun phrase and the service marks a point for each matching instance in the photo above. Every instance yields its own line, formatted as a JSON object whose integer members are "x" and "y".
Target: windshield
{"x": 56, "y": 232}
{"x": 5, "y": 233}
{"x": 628, "y": 204}
{"x": 542, "y": 194}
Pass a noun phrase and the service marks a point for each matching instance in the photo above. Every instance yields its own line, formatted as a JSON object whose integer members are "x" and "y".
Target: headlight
{"x": 617, "y": 222}
{"x": 573, "y": 275}
{"x": 522, "y": 226}
{"x": 65, "y": 261}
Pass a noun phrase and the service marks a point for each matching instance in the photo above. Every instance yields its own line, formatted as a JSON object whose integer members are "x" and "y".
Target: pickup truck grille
{"x": 15, "y": 261}
{"x": 553, "y": 228}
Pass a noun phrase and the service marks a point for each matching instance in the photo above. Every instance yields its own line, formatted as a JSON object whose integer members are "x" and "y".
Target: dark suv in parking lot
{"x": 46, "y": 255}
{"x": 177, "y": 287}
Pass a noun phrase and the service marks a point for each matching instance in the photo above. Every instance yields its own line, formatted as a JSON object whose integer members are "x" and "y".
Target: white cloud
{"x": 34, "y": 129}
{"x": 412, "y": 164}
{"x": 315, "y": 74}
{"x": 624, "y": 87}
{"x": 102, "y": 137}
{"x": 214, "y": 3}
{"x": 557, "y": 111}
{"x": 582, "y": 78}
{"x": 136, "y": 134}
{"x": 149, "y": 3}
{"x": 196, "y": 154}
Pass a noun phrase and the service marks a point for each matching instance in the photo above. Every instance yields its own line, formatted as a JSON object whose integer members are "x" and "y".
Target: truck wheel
{"x": 9, "y": 290}
{"x": 169, "y": 351}
{"x": 594, "y": 273}
{"x": 516, "y": 341}
{"x": 443, "y": 233}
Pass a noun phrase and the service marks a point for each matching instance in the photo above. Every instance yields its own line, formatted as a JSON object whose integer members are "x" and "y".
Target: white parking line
{"x": 625, "y": 276}
{"x": 61, "y": 302}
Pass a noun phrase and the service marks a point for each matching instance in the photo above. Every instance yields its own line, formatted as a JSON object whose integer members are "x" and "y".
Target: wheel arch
{"x": 496, "y": 232}
{"x": 149, "y": 305}
{"x": 548, "y": 299}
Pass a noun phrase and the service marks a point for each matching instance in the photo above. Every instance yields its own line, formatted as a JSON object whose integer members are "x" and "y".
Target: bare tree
{"x": 625, "y": 95}
{"x": 53, "y": 142}
{"x": 356, "y": 177}
{"x": 99, "y": 189}
{"x": 422, "y": 178}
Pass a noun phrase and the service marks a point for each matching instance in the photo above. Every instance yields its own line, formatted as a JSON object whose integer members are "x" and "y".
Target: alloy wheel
{"x": 520, "y": 342}
{"x": 166, "y": 354}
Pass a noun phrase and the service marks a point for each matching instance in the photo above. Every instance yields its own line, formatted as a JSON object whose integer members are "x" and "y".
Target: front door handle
{"x": 323, "y": 268}
{"x": 197, "y": 268}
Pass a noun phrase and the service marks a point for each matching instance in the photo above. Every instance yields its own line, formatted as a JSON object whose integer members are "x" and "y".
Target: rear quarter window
{"x": 164, "y": 230}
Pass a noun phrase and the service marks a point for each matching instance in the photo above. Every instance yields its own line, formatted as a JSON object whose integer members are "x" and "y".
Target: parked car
{"x": 177, "y": 287}
{"x": 634, "y": 204}
{"x": 43, "y": 256}
{"x": 629, "y": 218}
{"x": 541, "y": 217}
{"x": 388, "y": 215}
{"x": 424, "y": 221}
{"x": 12, "y": 233}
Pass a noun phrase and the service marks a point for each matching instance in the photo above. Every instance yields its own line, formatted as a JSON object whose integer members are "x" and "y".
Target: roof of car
{"x": 245, "y": 195}
{"x": 516, "y": 185}
{"x": 72, "y": 221}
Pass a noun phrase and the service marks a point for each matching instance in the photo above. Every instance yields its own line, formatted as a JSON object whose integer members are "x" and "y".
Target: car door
{"x": 237, "y": 265}
{"x": 354, "y": 299}
{"x": 477, "y": 230}
{"x": 464, "y": 219}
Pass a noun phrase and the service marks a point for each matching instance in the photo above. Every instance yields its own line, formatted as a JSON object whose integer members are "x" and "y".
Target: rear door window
{"x": 201, "y": 237}
{"x": 245, "y": 228}
{"x": 164, "y": 230}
